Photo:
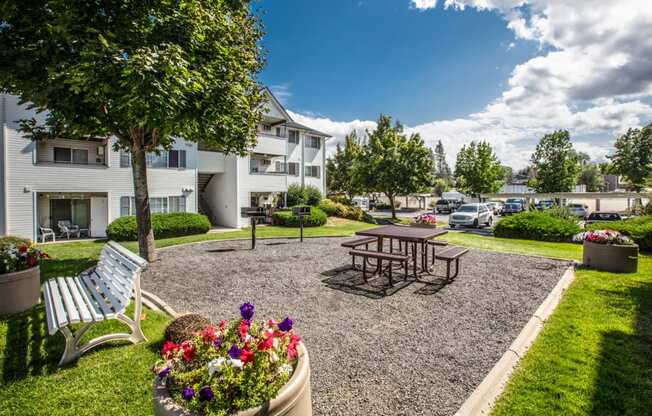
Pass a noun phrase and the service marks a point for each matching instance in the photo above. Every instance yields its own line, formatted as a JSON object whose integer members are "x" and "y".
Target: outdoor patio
{"x": 417, "y": 349}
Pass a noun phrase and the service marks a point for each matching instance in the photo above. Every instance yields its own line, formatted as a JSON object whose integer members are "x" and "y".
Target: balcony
{"x": 73, "y": 153}
{"x": 267, "y": 165}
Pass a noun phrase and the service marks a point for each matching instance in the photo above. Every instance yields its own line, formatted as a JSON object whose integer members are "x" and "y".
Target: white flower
{"x": 235, "y": 363}
{"x": 215, "y": 366}
{"x": 285, "y": 369}
{"x": 273, "y": 357}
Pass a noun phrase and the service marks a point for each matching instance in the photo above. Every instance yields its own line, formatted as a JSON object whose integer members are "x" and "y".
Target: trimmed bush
{"x": 285, "y": 218}
{"x": 295, "y": 195}
{"x": 336, "y": 209}
{"x": 174, "y": 224}
{"x": 536, "y": 226}
{"x": 638, "y": 229}
{"x": 309, "y": 195}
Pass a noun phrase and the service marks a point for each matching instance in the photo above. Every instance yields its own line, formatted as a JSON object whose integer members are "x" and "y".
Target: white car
{"x": 472, "y": 215}
{"x": 579, "y": 210}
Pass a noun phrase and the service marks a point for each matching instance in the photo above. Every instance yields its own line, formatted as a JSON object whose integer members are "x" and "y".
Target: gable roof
{"x": 290, "y": 122}
{"x": 277, "y": 103}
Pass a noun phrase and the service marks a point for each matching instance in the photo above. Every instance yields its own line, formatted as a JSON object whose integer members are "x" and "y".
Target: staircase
{"x": 202, "y": 181}
{"x": 204, "y": 207}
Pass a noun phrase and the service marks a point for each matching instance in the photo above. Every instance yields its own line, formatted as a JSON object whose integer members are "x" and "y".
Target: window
{"x": 293, "y": 168}
{"x": 158, "y": 205}
{"x": 177, "y": 158}
{"x": 125, "y": 159}
{"x": 178, "y": 204}
{"x": 279, "y": 132}
{"x": 125, "y": 206}
{"x": 267, "y": 128}
{"x": 280, "y": 167}
{"x": 62, "y": 155}
{"x": 313, "y": 142}
{"x": 156, "y": 160}
{"x": 293, "y": 136}
{"x": 312, "y": 171}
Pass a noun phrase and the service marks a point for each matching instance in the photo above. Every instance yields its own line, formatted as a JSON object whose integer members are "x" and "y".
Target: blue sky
{"x": 503, "y": 71}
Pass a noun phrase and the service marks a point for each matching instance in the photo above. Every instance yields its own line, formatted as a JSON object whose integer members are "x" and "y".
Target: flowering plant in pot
{"x": 19, "y": 275}
{"x": 235, "y": 367}
{"x": 426, "y": 220}
{"x": 609, "y": 251}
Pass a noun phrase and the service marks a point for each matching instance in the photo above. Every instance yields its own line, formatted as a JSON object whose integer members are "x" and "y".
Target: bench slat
{"x": 120, "y": 259}
{"x": 84, "y": 313}
{"x": 68, "y": 302}
{"x": 379, "y": 255}
{"x": 60, "y": 314}
{"x": 132, "y": 257}
{"x": 93, "y": 307}
{"x": 438, "y": 242}
{"x": 114, "y": 294}
{"x": 97, "y": 296}
{"x": 49, "y": 309}
{"x": 451, "y": 253}
{"x": 114, "y": 302}
{"x": 125, "y": 277}
{"x": 359, "y": 242}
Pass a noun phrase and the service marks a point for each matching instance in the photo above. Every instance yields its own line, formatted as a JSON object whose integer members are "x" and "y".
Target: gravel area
{"x": 419, "y": 349}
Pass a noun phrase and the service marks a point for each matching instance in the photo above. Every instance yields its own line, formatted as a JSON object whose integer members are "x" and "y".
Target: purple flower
{"x": 188, "y": 393}
{"x": 247, "y": 311}
{"x": 286, "y": 324}
{"x": 164, "y": 373}
{"x": 217, "y": 343}
{"x": 234, "y": 352}
{"x": 206, "y": 394}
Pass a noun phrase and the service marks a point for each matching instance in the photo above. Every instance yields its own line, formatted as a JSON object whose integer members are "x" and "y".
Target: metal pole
{"x": 301, "y": 224}
{"x": 253, "y": 233}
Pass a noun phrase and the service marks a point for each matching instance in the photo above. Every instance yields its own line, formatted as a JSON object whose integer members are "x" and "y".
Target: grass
{"x": 594, "y": 356}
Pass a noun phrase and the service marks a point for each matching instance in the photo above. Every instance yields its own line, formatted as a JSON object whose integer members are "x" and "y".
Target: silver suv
{"x": 472, "y": 215}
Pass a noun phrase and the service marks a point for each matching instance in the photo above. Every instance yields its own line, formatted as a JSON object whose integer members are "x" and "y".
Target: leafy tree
{"x": 592, "y": 177}
{"x": 392, "y": 163}
{"x": 142, "y": 72}
{"x": 633, "y": 157}
{"x": 440, "y": 186}
{"x": 555, "y": 163}
{"x": 339, "y": 167}
{"x": 478, "y": 170}
{"x": 508, "y": 173}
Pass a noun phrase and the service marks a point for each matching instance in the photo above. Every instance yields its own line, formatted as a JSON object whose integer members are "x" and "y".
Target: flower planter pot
{"x": 294, "y": 399}
{"x": 413, "y": 224}
{"x": 20, "y": 291}
{"x": 611, "y": 257}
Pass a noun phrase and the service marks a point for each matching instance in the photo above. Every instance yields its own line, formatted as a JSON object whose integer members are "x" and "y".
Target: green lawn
{"x": 593, "y": 357}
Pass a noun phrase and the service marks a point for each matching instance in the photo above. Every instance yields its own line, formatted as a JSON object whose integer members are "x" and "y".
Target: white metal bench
{"x": 98, "y": 294}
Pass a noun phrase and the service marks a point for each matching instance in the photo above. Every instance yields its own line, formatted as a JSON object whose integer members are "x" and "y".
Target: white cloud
{"x": 592, "y": 77}
{"x": 337, "y": 129}
{"x": 281, "y": 92}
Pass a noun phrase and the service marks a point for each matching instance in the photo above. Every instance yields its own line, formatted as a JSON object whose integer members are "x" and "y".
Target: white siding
{"x": 222, "y": 194}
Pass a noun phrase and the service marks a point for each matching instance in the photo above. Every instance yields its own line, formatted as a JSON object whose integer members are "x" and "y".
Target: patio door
{"x": 60, "y": 210}
{"x": 81, "y": 212}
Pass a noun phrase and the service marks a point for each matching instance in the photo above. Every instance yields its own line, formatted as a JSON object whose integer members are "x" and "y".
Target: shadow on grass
{"x": 64, "y": 267}
{"x": 29, "y": 350}
{"x": 624, "y": 380}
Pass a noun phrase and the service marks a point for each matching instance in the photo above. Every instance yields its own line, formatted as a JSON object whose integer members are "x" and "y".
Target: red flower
{"x": 169, "y": 349}
{"x": 246, "y": 356}
{"x": 222, "y": 325}
{"x": 244, "y": 327}
{"x": 208, "y": 334}
{"x": 188, "y": 350}
{"x": 23, "y": 249}
{"x": 266, "y": 344}
{"x": 292, "y": 347}
{"x": 32, "y": 261}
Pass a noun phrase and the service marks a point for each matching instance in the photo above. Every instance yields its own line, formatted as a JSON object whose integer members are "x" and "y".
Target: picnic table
{"x": 416, "y": 237}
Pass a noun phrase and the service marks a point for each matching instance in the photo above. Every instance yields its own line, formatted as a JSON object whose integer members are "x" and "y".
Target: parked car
{"x": 544, "y": 205}
{"x": 445, "y": 206}
{"x": 520, "y": 201}
{"x": 472, "y": 215}
{"x": 498, "y": 207}
{"x": 512, "y": 208}
{"x": 579, "y": 210}
{"x": 603, "y": 216}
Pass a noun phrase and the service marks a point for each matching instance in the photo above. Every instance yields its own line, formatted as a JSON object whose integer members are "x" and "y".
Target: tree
{"x": 144, "y": 73}
{"x": 440, "y": 169}
{"x": 392, "y": 163}
{"x": 591, "y": 177}
{"x": 439, "y": 187}
{"x": 633, "y": 157}
{"x": 478, "y": 170}
{"x": 339, "y": 167}
{"x": 555, "y": 163}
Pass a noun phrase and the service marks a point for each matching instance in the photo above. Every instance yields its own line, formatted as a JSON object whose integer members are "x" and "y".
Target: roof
{"x": 294, "y": 124}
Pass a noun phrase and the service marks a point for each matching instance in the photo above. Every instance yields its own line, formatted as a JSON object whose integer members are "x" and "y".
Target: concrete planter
{"x": 20, "y": 291}
{"x": 294, "y": 399}
{"x": 611, "y": 257}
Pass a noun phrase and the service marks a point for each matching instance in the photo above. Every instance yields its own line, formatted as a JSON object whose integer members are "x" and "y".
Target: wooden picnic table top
{"x": 403, "y": 232}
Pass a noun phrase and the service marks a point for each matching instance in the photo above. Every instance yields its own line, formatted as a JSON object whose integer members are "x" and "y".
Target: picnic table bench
{"x": 358, "y": 242}
{"x": 449, "y": 255}
{"x": 98, "y": 294}
{"x": 380, "y": 256}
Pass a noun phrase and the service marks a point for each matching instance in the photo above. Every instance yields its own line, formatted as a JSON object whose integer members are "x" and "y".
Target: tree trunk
{"x": 146, "y": 246}
{"x": 391, "y": 204}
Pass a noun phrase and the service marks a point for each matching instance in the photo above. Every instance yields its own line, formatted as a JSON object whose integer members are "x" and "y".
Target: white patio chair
{"x": 66, "y": 228}
{"x": 47, "y": 232}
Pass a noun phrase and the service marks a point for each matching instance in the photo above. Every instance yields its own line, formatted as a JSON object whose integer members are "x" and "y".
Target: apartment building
{"x": 89, "y": 184}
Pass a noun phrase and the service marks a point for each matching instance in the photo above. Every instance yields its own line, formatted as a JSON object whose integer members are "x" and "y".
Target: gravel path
{"x": 418, "y": 350}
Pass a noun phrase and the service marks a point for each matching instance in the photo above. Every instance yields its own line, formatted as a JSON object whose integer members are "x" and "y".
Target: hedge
{"x": 536, "y": 226}
{"x": 287, "y": 219}
{"x": 336, "y": 209}
{"x": 638, "y": 229}
{"x": 175, "y": 224}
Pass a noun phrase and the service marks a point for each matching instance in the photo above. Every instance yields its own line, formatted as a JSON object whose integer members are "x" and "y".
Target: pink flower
{"x": 292, "y": 347}
{"x": 244, "y": 327}
{"x": 169, "y": 349}
{"x": 188, "y": 350}
{"x": 266, "y": 344}
{"x": 208, "y": 334}
{"x": 246, "y": 356}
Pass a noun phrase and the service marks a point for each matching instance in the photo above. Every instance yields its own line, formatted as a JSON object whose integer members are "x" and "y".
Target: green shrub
{"x": 287, "y": 219}
{"x": 536, "y": 226}
{"x": 384, "y": 206}
{"x": 297, "y": 195}
{"x": 638, "y": 229}
{"x": 8, "y": 240}
{"x": 336, "y": 209}
{"x": 311, "y": 195}
{"x": 175, "y": 224}
{"x": 342, "y": 199}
